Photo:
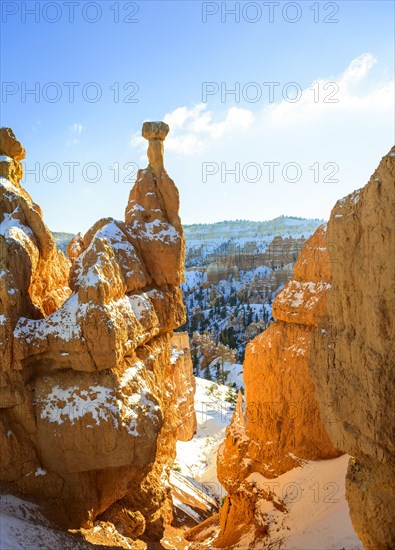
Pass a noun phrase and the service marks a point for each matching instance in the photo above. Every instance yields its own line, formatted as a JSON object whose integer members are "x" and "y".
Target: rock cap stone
{"x": 155, "y": 130}
{"x": 10, "y": 146}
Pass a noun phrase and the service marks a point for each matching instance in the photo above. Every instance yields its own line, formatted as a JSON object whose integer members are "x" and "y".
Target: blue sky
{"x": 319, "y": 136}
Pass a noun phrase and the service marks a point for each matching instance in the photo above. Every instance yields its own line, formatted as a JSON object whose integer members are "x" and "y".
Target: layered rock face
{"x": 89, "y": 413}
{"x": 283, "y": 415}
{"x": 280, "y": 253}
{"x": 353, "y": 358}
{"x": 185, "y": 385}
{"x": 281, "y": 423}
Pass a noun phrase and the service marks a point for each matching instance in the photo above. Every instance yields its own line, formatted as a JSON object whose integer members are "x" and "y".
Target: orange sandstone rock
{"x": 75, "y": 247}
{"x": 89, "y": 410}
{"x": 281, "y": 423}
{"x": 352, "y": 362}
{"x": 185, "y": 384}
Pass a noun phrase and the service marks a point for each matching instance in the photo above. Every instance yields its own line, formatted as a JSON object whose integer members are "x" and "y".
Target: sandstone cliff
{"x": 281, "y": 423}
{"x": 353, "y": 358}
{"x": 323, "y": 369}
{"x": 89, "y": 411}
{"x": 283, "y": 418}
{"x": 185, "y": 385}
{"x": 280, "y": 253}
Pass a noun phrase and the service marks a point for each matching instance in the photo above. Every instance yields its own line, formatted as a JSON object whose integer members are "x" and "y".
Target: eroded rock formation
{"x": 33, "y": 273}
{"x": 185, "y": 385}
{"x": 89, "y": 412}
{"x": 283, "y": 415}
{"x": 324, "y": 368}
{"x": 281, "y": 423}
{"x": 280, "y": 255}
{"x": 353, "y": 359}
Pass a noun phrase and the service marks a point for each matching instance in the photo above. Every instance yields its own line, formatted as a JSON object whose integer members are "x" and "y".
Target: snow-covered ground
{"x": 197, "y": 458}
{"x": 235, "y": 375}
{"x": 191, "y": 500}
{"x": 23, "y": 527}
{"x": 318, "y": 515}
{"x": 314, "y": 493}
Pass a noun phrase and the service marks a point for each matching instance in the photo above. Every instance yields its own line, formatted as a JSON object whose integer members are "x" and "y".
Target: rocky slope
{"x": 89, "y": 412}
{"x": 353, "y": 358}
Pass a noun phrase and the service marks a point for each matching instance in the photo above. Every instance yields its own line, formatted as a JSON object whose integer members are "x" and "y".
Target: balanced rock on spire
{"x": 89, "y": 414}
{"x": 152, "y": 213}
{"x": 156, "y": 133}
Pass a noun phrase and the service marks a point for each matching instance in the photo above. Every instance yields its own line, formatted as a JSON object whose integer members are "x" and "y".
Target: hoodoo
{"x": 89, "y": 411}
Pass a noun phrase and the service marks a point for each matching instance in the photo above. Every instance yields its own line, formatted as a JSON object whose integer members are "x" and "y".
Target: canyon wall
{"x": 90, "y": 412}
{"x": 320, "y": 380}
{"x": 283, "y": 419}
{"x": 280, "y": 253}
{"x": 353, "y": 358}
{"x": 185, "y": 385}
{"x": 281, "y": 423}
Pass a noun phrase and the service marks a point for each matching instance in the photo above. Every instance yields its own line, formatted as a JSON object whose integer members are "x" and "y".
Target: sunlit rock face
{"x": 353, "y": 360}
{"x": 283, "y": 416}
{"x": 89, "y": 410}
{"x": 281, "y": 423}
{"x": 33, "y": 273}
{"x": 320, "y": 380}
{"x": 185, "y": 385}
{"x": 11, "y": 154}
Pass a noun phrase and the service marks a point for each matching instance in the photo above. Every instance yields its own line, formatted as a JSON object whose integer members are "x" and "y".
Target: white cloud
{"x": 75, "y": 131}
{"x": 197, "y": 129}
{"x": 358, "y": 69}
{"x": 194, "y": 130}
{"x": 336, "y": 145}
{"x": 348, "y": 93}
{"x": 77, "y": 128}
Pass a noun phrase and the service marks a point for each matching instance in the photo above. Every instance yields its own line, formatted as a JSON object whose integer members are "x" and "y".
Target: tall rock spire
{"x": 89, "y": 391}
{"x": 155, "y": 133}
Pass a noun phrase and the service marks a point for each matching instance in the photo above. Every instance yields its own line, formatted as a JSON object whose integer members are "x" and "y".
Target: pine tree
{"x": 231, "y": 395}
{"x": 207, "y": 373}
